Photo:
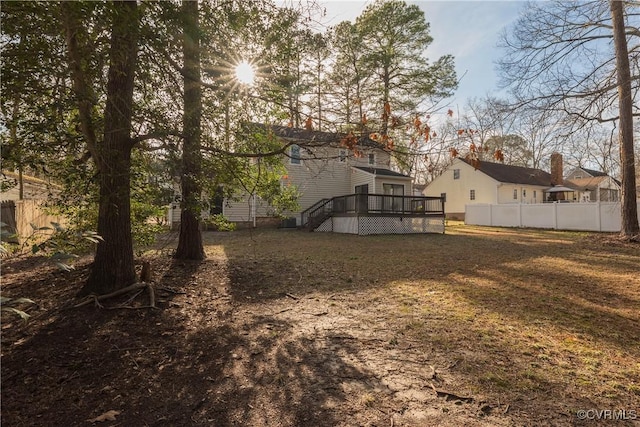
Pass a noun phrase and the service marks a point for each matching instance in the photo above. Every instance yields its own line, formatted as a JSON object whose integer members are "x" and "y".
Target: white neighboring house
{"x": 593, "y": 186}
{"x": 488, "y": 183}
{"x": 325, "y": 171}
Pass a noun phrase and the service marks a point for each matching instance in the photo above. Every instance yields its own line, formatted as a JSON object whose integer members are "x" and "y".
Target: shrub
{"x": 218, "y": 222}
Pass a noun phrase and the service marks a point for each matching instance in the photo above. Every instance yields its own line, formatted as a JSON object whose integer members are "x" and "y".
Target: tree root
{"x": 451, "y": 396}
{"x": 136, "y": 286}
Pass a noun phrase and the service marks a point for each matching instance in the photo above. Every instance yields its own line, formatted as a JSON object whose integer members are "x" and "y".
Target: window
{"x": 393, "y": 189}
{"x": 515, "y": 194}
{"x": 524, "y": 193}
{"x": 472, "y": 194}
{"x": 295, "y": 155}
{"x": 362, "y": 189}
{"x": 391, "y": 201}
{"x": 372, "y": 159}
{"x": 216, "y": 202}
{"x": 534, "y": 195}
{"x": 456, "y": 174}
{"x": 343, "y": 155}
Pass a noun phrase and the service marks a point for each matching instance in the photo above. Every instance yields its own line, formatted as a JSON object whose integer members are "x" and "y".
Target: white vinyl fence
{"x": 602, "y": 216}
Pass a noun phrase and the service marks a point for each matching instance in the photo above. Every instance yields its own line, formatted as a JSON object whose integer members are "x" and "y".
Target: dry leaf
{"x": 107, "y": 416}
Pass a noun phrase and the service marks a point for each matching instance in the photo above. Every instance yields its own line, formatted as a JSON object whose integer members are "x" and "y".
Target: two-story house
{"x": 325, "y": 171}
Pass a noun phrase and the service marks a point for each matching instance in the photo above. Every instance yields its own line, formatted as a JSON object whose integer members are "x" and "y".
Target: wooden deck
{"x": 376, "y": 214}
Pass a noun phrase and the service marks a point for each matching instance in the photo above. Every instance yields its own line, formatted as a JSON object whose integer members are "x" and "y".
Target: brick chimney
{"x": 556, "y": 169}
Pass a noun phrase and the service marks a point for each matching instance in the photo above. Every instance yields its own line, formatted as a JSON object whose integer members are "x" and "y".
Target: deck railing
{"x": 373, "y": 204}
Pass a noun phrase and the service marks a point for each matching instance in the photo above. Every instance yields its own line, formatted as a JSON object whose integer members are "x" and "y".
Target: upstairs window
{"x": 342, "y": 157}
{"x": 524, "y": 193}
{"x": 472, "y": 194}
{"x": 456, "y": 174}
{"x": 295, "y": 155}
{"x": 515, "y": 194}
{"x": 372, "y": 159}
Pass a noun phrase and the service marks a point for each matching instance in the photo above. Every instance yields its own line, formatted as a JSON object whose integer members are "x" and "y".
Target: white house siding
{"x": 240, "y": 210}
{"x": 382, "y": 179}
{"x": 318, "y": 178}
{"x": 458, "y": 190}
{"x": 382, "y": 159}
{"x": 524, "y": 193}
{"x": 360, "y": 177}
{"x": 235, "y": 211}
{"x": 326, "y": 177}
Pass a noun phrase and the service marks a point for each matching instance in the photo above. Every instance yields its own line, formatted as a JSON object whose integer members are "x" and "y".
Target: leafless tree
{"x": 559, "y": 57}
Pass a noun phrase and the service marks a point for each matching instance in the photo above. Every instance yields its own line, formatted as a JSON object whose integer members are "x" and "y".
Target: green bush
{"x": 218, "y": 222}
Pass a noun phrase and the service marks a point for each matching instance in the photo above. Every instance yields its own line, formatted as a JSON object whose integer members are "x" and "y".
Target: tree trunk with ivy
{"x": 190, "y": 239}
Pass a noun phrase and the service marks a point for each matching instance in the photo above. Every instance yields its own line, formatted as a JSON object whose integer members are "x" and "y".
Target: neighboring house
{"x": 418, "y": 189}
{"x": 491, "y": 183}
{"x": 495, "y": 183}
{"x": 343, "y": 190}
{"x": 593, "y": 186}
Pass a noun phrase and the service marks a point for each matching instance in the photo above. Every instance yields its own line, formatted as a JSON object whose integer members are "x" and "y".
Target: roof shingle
{"x": 513, "y": 174}
{"x": 381, "y": 171}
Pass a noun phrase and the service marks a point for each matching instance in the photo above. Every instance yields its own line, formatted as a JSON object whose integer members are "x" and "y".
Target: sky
{"x": 468, "y": 30}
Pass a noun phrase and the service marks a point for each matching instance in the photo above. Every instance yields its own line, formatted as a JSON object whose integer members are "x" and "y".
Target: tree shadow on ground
{"x": 222, "y": 350}
{"x": 509, "y": 275}
{"x": 194, "y": 361}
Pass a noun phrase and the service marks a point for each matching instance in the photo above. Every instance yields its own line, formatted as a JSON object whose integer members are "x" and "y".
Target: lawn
{"x": 479, "y": 326}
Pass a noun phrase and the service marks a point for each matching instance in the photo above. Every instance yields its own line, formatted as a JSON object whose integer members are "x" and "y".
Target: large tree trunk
{"x": 190, "y": 240}
{"x": 630, "y": 227}
{"x": 113, "y": 267}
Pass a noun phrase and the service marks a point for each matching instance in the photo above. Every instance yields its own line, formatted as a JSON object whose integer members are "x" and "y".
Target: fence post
{"x": 519, "y": 214}
{"x": 555, "y": 215}
{"x": 598, "y": 215}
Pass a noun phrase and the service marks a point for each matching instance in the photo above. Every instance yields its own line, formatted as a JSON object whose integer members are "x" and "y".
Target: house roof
{"x": 584, "y": 184}
{"x": 513, "y": 174}
{"x": 382, "y": 171}
{"x": 303, "y": 134}
{"x": 297, "y": 134}
{"x": 594, "y": 172}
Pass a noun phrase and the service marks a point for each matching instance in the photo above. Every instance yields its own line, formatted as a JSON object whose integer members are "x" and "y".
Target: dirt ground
{"x": 284, "y": 328}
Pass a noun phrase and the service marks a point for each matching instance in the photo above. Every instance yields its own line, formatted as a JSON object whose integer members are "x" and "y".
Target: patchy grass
{"x": 479, "y": 326}
{"x": 520, "y": 313}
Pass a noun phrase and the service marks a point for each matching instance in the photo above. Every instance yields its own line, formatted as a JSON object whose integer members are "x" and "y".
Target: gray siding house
{"x": 325, "y": 171}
